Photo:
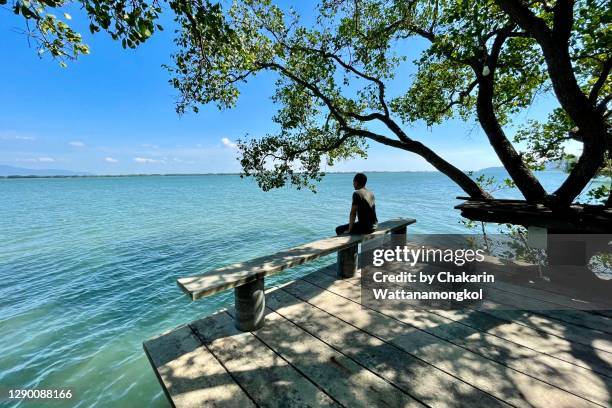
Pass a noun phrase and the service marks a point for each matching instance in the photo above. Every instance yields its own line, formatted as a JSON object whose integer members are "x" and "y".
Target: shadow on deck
{"x": 321, "y": 347}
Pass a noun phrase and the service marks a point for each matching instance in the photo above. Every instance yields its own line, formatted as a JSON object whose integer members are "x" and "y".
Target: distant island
{"x": 12, "y": 172}
{"x": 549, "y": 166}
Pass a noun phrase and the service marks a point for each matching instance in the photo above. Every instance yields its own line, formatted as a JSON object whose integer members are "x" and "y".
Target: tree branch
{"x": 462, "y": 95}
{"x": 351, "y": 68}
{"x": 463, "y": 180}
{"x": 525, "y": 18}
{"x": 563, "y": 19}
{"x": 522, "y": 176}
{"x": 601, "y": 81}
{"x": 405, "y": 143}
{"x": 313, "y": 88}
{"x": 377, "y": 81}
{"x": 334, "y": 110}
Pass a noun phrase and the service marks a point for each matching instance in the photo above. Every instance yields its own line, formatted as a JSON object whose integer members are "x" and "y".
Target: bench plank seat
{"x": 242, "y": 273}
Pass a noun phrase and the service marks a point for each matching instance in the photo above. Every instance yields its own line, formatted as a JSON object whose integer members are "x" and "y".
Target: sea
{"x": 88, "y": 266}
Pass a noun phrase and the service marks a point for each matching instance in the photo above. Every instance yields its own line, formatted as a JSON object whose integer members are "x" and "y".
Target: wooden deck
{"x": 320, "y": 347}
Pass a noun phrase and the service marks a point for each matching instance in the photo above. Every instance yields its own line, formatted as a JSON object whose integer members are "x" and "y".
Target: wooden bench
{"x": 247, "y": 278}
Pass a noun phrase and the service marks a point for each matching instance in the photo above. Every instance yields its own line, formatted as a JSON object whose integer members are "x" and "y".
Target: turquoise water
{"x": 88, "y": 266}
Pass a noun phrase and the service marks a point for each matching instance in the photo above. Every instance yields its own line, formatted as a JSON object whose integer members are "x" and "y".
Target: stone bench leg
{"x": 398, "y": 236}
{"x": 249, "y": 305}
{"x": 347, "y": 262}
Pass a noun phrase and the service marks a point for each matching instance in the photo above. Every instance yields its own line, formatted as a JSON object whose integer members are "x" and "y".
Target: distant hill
{"x": 550, "y": 166}
{"x": 20, "y": 171}
{"x": 490, "y": 169}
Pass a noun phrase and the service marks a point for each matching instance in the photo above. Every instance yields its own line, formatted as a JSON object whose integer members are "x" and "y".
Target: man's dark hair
{"x": 361, "y": 179}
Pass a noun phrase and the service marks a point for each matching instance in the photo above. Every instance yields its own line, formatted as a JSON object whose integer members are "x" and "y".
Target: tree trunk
{"x": 592, "y": 128}
{"x": 591, "y": 124}
{"x": 523, "y": 177}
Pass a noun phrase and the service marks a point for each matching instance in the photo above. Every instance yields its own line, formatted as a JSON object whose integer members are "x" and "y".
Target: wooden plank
{"x": 574, "y": 334}
{"x": 417, "y": 378}
{"x": 243, "y": 272}
{"x": 583, "y": 355}
{"x": 594, "y": 340}
{"x": 559, "y": 348}
{"x": 601, "y": 324}
{"x": 511, "y": 385}
{"x": 596, "y": 343}
{"x": 268, "y": 379}
{"x": 557, "y": 298}
{"x": 189, "y": 374}
{"x": 569, "y": 377}
{"x": 339, "y": 376}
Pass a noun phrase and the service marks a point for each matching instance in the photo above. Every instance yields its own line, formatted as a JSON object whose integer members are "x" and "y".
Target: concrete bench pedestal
{"x": 347, "y": 262}
{"x": 399, "y": 236}
{"x": 249, "y": 305}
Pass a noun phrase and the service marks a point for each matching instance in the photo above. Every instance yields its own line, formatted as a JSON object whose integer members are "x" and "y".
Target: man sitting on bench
{"x": 363, "y": 209}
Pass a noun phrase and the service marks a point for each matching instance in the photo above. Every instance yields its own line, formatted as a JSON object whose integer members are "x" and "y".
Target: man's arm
{"x": 352, "y": 217}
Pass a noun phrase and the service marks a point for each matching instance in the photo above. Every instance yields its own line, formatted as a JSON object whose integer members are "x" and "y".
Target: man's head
{"x": 359, "y": 181}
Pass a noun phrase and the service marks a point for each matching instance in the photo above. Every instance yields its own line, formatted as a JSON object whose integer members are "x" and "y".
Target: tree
{"x": 483, "y": 60}
{"x": 575, "y": 40}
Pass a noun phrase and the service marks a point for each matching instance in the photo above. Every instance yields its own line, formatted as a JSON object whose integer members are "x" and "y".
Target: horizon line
{"x": 16, "y": 176}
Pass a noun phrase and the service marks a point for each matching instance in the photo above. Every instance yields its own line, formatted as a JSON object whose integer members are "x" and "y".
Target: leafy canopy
{"x": 131, "y": 22}
{"x": 334, "y": 74}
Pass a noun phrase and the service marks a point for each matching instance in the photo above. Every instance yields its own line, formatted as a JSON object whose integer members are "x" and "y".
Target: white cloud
{"x": 228, "y": 143}
{"x": 77, "y": 144}
{"x": 149, "y": 146}
{"x": 46, "y": 159}
{"x": 147, "y": 160}
{"x": 12, "y": 135}
{"x": 110, "y": 160}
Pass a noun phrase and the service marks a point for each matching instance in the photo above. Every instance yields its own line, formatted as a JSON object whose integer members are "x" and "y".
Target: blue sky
{"x": 112, "y": 112}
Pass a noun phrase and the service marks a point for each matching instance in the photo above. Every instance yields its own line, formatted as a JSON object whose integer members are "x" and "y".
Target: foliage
{"x": 516, "y": 247}
{"x": 601, "y": 265}
{"x": 491, "y": 185}
{"x": 130, "y": 22}
{"x": 545, "y": 141}
{"x": 462, "y": 32}
{"x": 601, "y": 193}
{"x": 590, "y": 44}
{"x": 257, "y": 36}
